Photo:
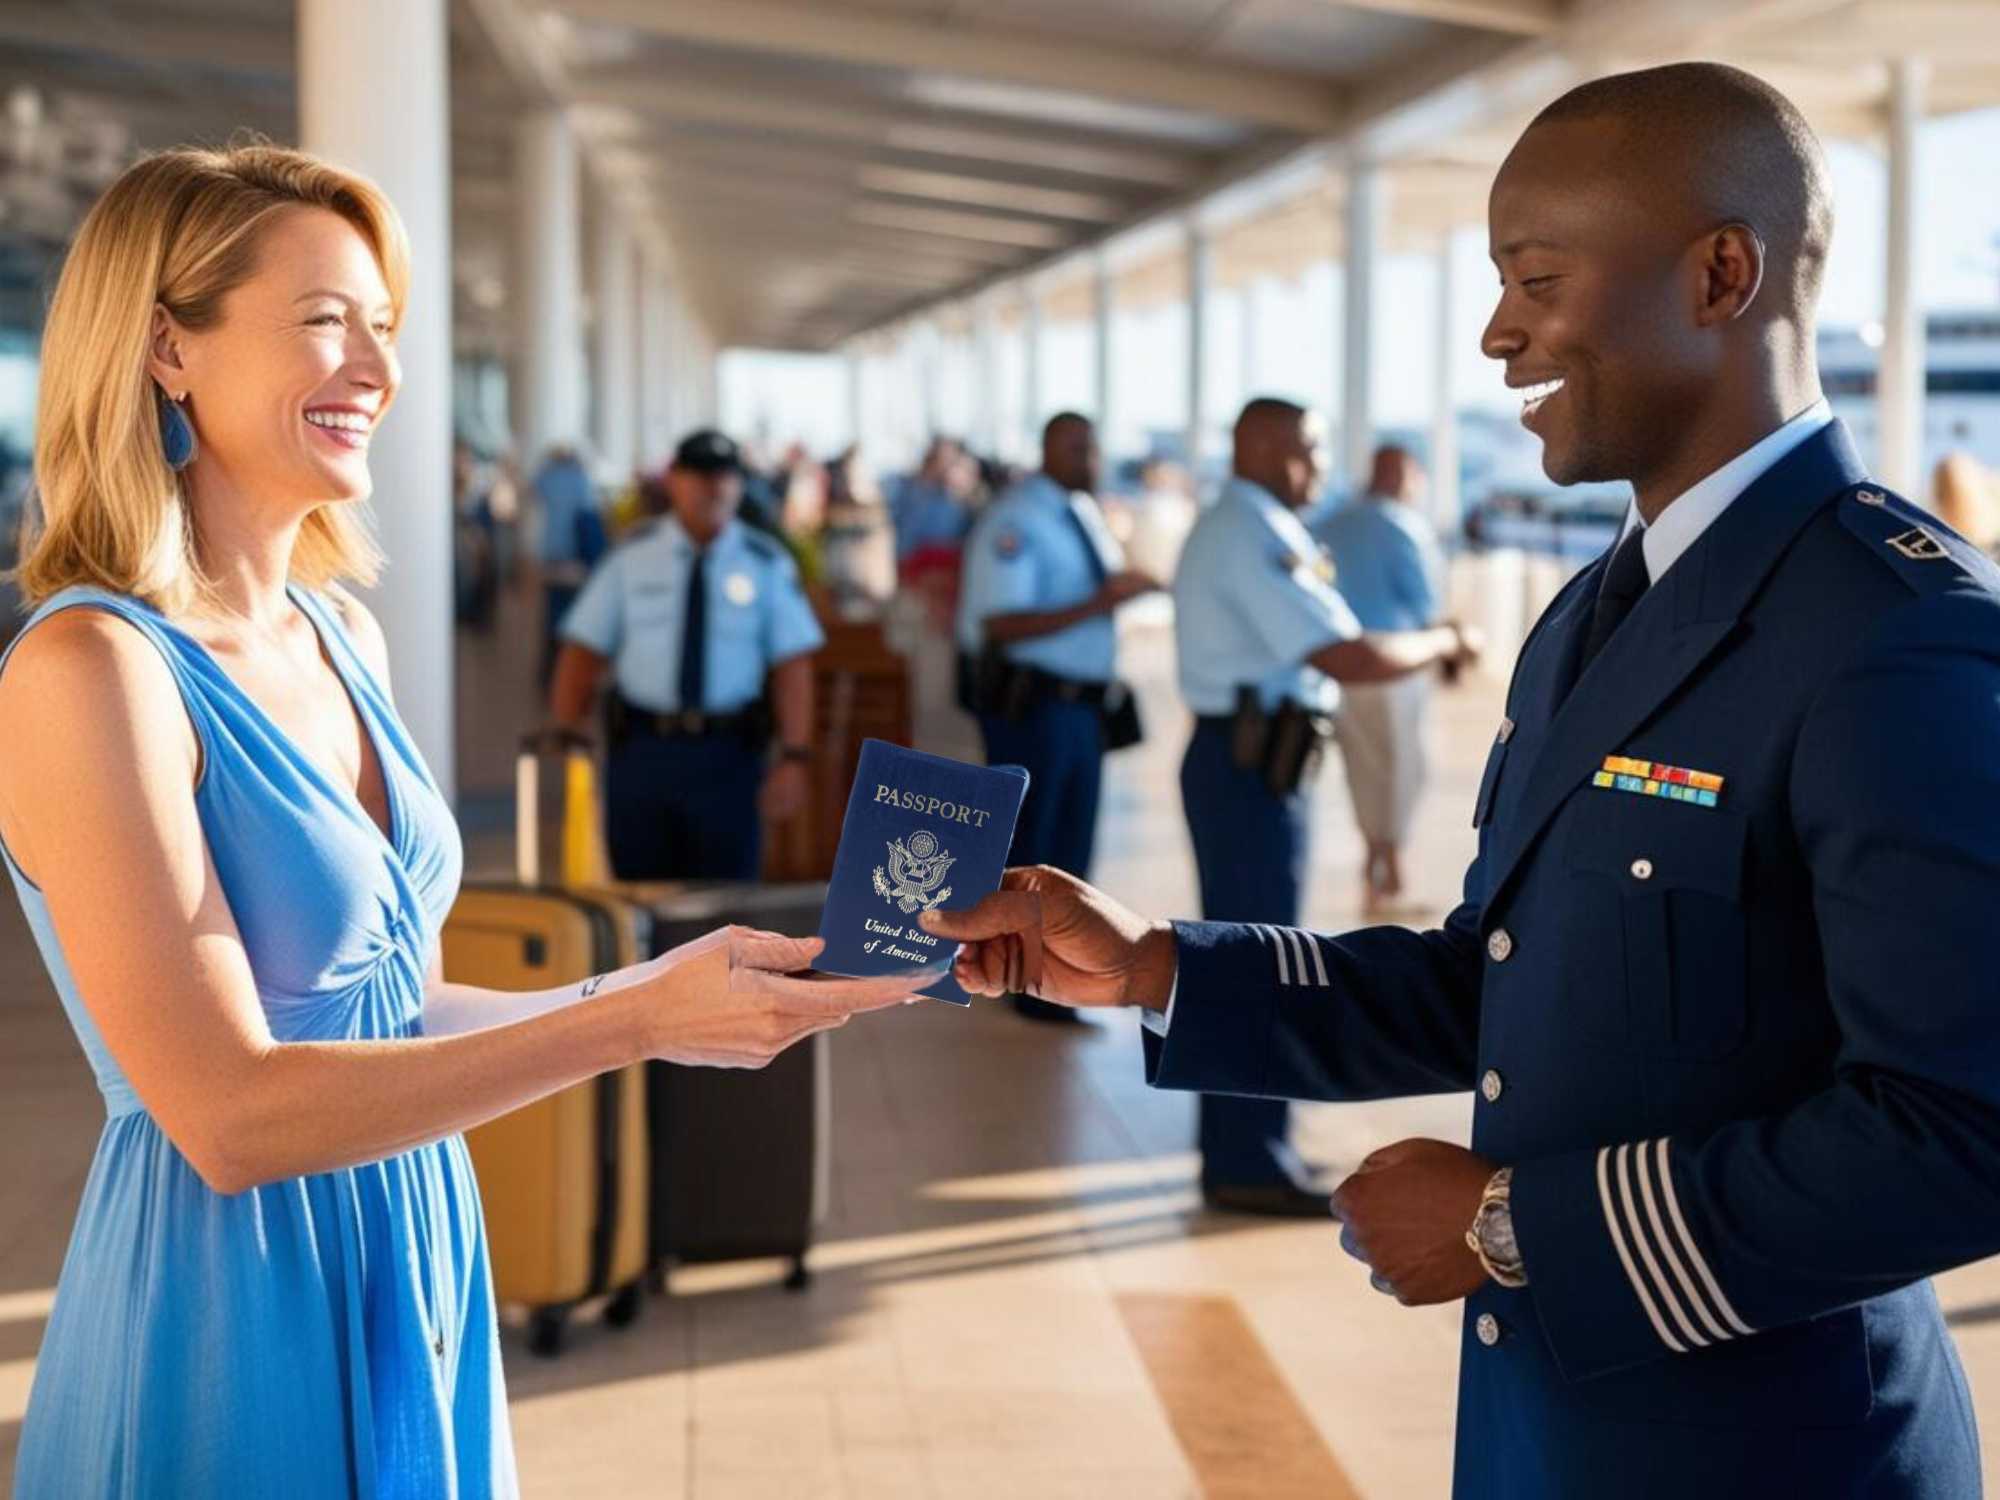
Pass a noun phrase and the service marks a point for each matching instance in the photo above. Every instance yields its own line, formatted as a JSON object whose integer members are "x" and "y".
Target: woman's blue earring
{"x": 176, "y": 433}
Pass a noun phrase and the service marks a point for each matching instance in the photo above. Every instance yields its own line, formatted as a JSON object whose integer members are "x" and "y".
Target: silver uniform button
{"x": 1871, "y": 497}
{"x": 1642, "y": 869}
{"x": 1490, "y": 1086}
{"x": 1499, "y": 945}
{"x": 1488, "y": 1329}
{"x": 1506, "y": 730}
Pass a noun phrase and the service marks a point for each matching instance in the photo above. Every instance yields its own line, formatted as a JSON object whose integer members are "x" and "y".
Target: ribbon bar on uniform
{"x": 1651, "y": 778}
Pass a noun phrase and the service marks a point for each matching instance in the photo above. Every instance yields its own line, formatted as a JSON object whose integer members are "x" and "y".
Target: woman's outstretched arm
{"x": 96, "y": 794}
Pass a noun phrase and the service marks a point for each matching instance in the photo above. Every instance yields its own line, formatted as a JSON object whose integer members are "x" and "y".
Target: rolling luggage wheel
{"x": 800, "y": 1277}
{"x": 622, "y": 1311}
{"x": 545, "y": 1331}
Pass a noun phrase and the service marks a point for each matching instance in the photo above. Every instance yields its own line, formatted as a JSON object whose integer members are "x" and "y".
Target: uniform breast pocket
{"x": 1659, "y": 888}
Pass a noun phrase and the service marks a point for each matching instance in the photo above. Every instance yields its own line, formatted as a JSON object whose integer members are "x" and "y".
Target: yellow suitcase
{"x": 566, "y": 1180}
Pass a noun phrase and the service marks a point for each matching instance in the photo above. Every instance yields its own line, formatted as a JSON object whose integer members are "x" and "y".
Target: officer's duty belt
{"x": 1283, "y": 747}
{"x": 626, "y": 719}
{"x": 1008, "y": 689}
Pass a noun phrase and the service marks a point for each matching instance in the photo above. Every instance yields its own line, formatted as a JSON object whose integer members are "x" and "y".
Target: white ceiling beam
{"x": 1512, "y": 17}
{"x": 1254, "y": 95}
{"x": 760, "y": 160}
{"x": 792, "y": 114}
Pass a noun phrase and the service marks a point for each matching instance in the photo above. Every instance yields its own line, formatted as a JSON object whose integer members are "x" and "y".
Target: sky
{"x": 1292, "y": 337}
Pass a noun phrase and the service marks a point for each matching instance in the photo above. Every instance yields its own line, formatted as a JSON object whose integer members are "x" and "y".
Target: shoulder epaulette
{"x": 763, "y": 544}
{"x": 1916, "y": 546}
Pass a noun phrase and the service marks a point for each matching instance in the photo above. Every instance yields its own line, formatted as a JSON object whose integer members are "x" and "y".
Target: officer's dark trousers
{"x": 1062, "y": 745}
{"x": 1250, "y": 852}
{"x": 683, "y": 808}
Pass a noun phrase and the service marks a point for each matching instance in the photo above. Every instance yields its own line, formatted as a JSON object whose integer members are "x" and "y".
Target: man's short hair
{"x": 1743, "y": 150}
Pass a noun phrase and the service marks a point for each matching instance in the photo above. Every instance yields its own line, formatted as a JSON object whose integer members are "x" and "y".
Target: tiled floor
{"x": 1015, "y": 1274}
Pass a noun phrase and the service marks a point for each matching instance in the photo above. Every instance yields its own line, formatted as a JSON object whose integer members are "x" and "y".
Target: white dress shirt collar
{"x": 1681, "y": 524}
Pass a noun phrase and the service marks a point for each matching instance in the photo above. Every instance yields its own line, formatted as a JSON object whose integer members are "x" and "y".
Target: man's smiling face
{"x": 1595, "y": 319}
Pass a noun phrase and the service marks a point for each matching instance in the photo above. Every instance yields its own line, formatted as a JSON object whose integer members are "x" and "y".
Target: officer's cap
{"x": 709, "y": 452}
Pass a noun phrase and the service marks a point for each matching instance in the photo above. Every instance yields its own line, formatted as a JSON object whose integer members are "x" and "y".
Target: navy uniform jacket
{"x": 1745, "y": 1058}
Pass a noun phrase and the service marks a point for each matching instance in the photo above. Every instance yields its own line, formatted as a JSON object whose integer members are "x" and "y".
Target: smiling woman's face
{"x": 1594, "y": 320}
{"x": 286, "y": 389}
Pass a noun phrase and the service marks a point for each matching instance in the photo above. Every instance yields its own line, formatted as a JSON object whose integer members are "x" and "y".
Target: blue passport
{"x": 922, "y": 833}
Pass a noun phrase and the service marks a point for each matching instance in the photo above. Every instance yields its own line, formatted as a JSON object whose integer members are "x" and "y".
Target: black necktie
{"x": 694, "y": 637}
{"x": 1624, "y": 582}
{"x": 1090, "y": 551}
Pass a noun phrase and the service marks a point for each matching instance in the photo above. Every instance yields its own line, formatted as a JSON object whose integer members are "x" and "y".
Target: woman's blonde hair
{"x": 178, "y": 230}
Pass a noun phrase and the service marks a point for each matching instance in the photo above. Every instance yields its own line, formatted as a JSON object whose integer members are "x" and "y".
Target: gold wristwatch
{"x": 1491, "y": 1236}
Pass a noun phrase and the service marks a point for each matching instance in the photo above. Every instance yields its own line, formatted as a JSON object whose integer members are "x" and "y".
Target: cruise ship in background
{"x": 1961, "y": 386}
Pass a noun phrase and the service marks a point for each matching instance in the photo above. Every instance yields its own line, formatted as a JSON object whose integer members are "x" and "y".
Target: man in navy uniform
{"x": 709, "y": 639}
{"x": 1265, "y": 642}
{"x": 1723, "y": 977}
{"x": 1043, "y": 577}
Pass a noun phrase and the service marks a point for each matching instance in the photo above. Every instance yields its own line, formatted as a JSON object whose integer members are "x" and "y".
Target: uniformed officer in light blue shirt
{"x": 1043, "y": 577}
{"x": 695, "y": 616}
{"x": 1265, "y": 640}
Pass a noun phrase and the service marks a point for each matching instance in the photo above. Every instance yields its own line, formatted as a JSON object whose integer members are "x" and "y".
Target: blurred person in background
{"x": 1391, "y": 571}
{"x": 857, "y": 542}
{"x": 1966, "y": 498}
{"x": 706, "y": 633}
{"x": 1267, "y": 649}
{"x": 932, "y": 508}
{"x": 1161, "y": 518}
{"x": 1043, "y": 580}
{"x": 573, "y": 538}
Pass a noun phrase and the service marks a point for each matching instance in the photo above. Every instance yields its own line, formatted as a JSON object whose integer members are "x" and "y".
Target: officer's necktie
{"x": 694, "y": 637}
{"x": 1090, "y": 552}
{"x": 1625, "y": 581}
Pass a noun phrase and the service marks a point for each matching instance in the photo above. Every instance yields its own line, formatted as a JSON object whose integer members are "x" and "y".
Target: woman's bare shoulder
{"x": 363, "y": 629}
{"x": 104, "y": 731}
{"x": 84, "y": 677}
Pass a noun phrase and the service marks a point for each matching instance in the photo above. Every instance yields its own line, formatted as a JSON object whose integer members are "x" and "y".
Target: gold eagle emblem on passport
{"x": 915, "y": 872}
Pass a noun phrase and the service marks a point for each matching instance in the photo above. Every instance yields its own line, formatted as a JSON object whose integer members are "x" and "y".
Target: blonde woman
{"x": 236, "y": 864}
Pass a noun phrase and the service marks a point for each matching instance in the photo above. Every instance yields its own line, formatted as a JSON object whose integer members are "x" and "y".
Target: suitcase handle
{"x": 582, "y": 855}
{"x": 559, "y": 738}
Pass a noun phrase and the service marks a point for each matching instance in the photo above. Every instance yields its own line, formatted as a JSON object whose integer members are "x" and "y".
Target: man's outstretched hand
{"x": 1047, "y": 934}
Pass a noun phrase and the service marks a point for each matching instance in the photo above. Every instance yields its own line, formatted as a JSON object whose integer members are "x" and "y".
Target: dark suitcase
{"x": 741, "y": 1158}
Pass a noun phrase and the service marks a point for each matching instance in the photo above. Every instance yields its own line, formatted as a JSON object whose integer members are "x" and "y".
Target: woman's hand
{"x": 737, "y": 998}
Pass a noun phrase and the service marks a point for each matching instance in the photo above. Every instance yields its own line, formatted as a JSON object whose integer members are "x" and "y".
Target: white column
{"x": 1032, "y": 415}
{"x": 930, "y": 371}
{"x": 548, "y": 373}
{"x": 1255, "y": 293}
{"x": 1200, "y": 282}
{"x": 657, "y": 408}
{"x": 615, "y": 342}
{"x": 985, "y": 378}
{"x": 1900, "y": 391}
{"x": 857, "y": 406}
{"x": 1106, "y": 294}
{"x": 1357, "y": 342}
{"x": 1446, "y": 501}
{"x": 373, "y": 79}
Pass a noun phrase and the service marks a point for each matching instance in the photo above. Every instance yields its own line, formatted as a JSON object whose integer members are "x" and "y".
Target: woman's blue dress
{"x": 324, "y": 1336}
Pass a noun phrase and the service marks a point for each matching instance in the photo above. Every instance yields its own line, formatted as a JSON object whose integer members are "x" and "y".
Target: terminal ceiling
{"x": 814, "y": 170}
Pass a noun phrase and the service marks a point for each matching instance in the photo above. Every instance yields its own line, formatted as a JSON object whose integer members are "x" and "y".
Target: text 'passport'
{"x": 923, "y": 833}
